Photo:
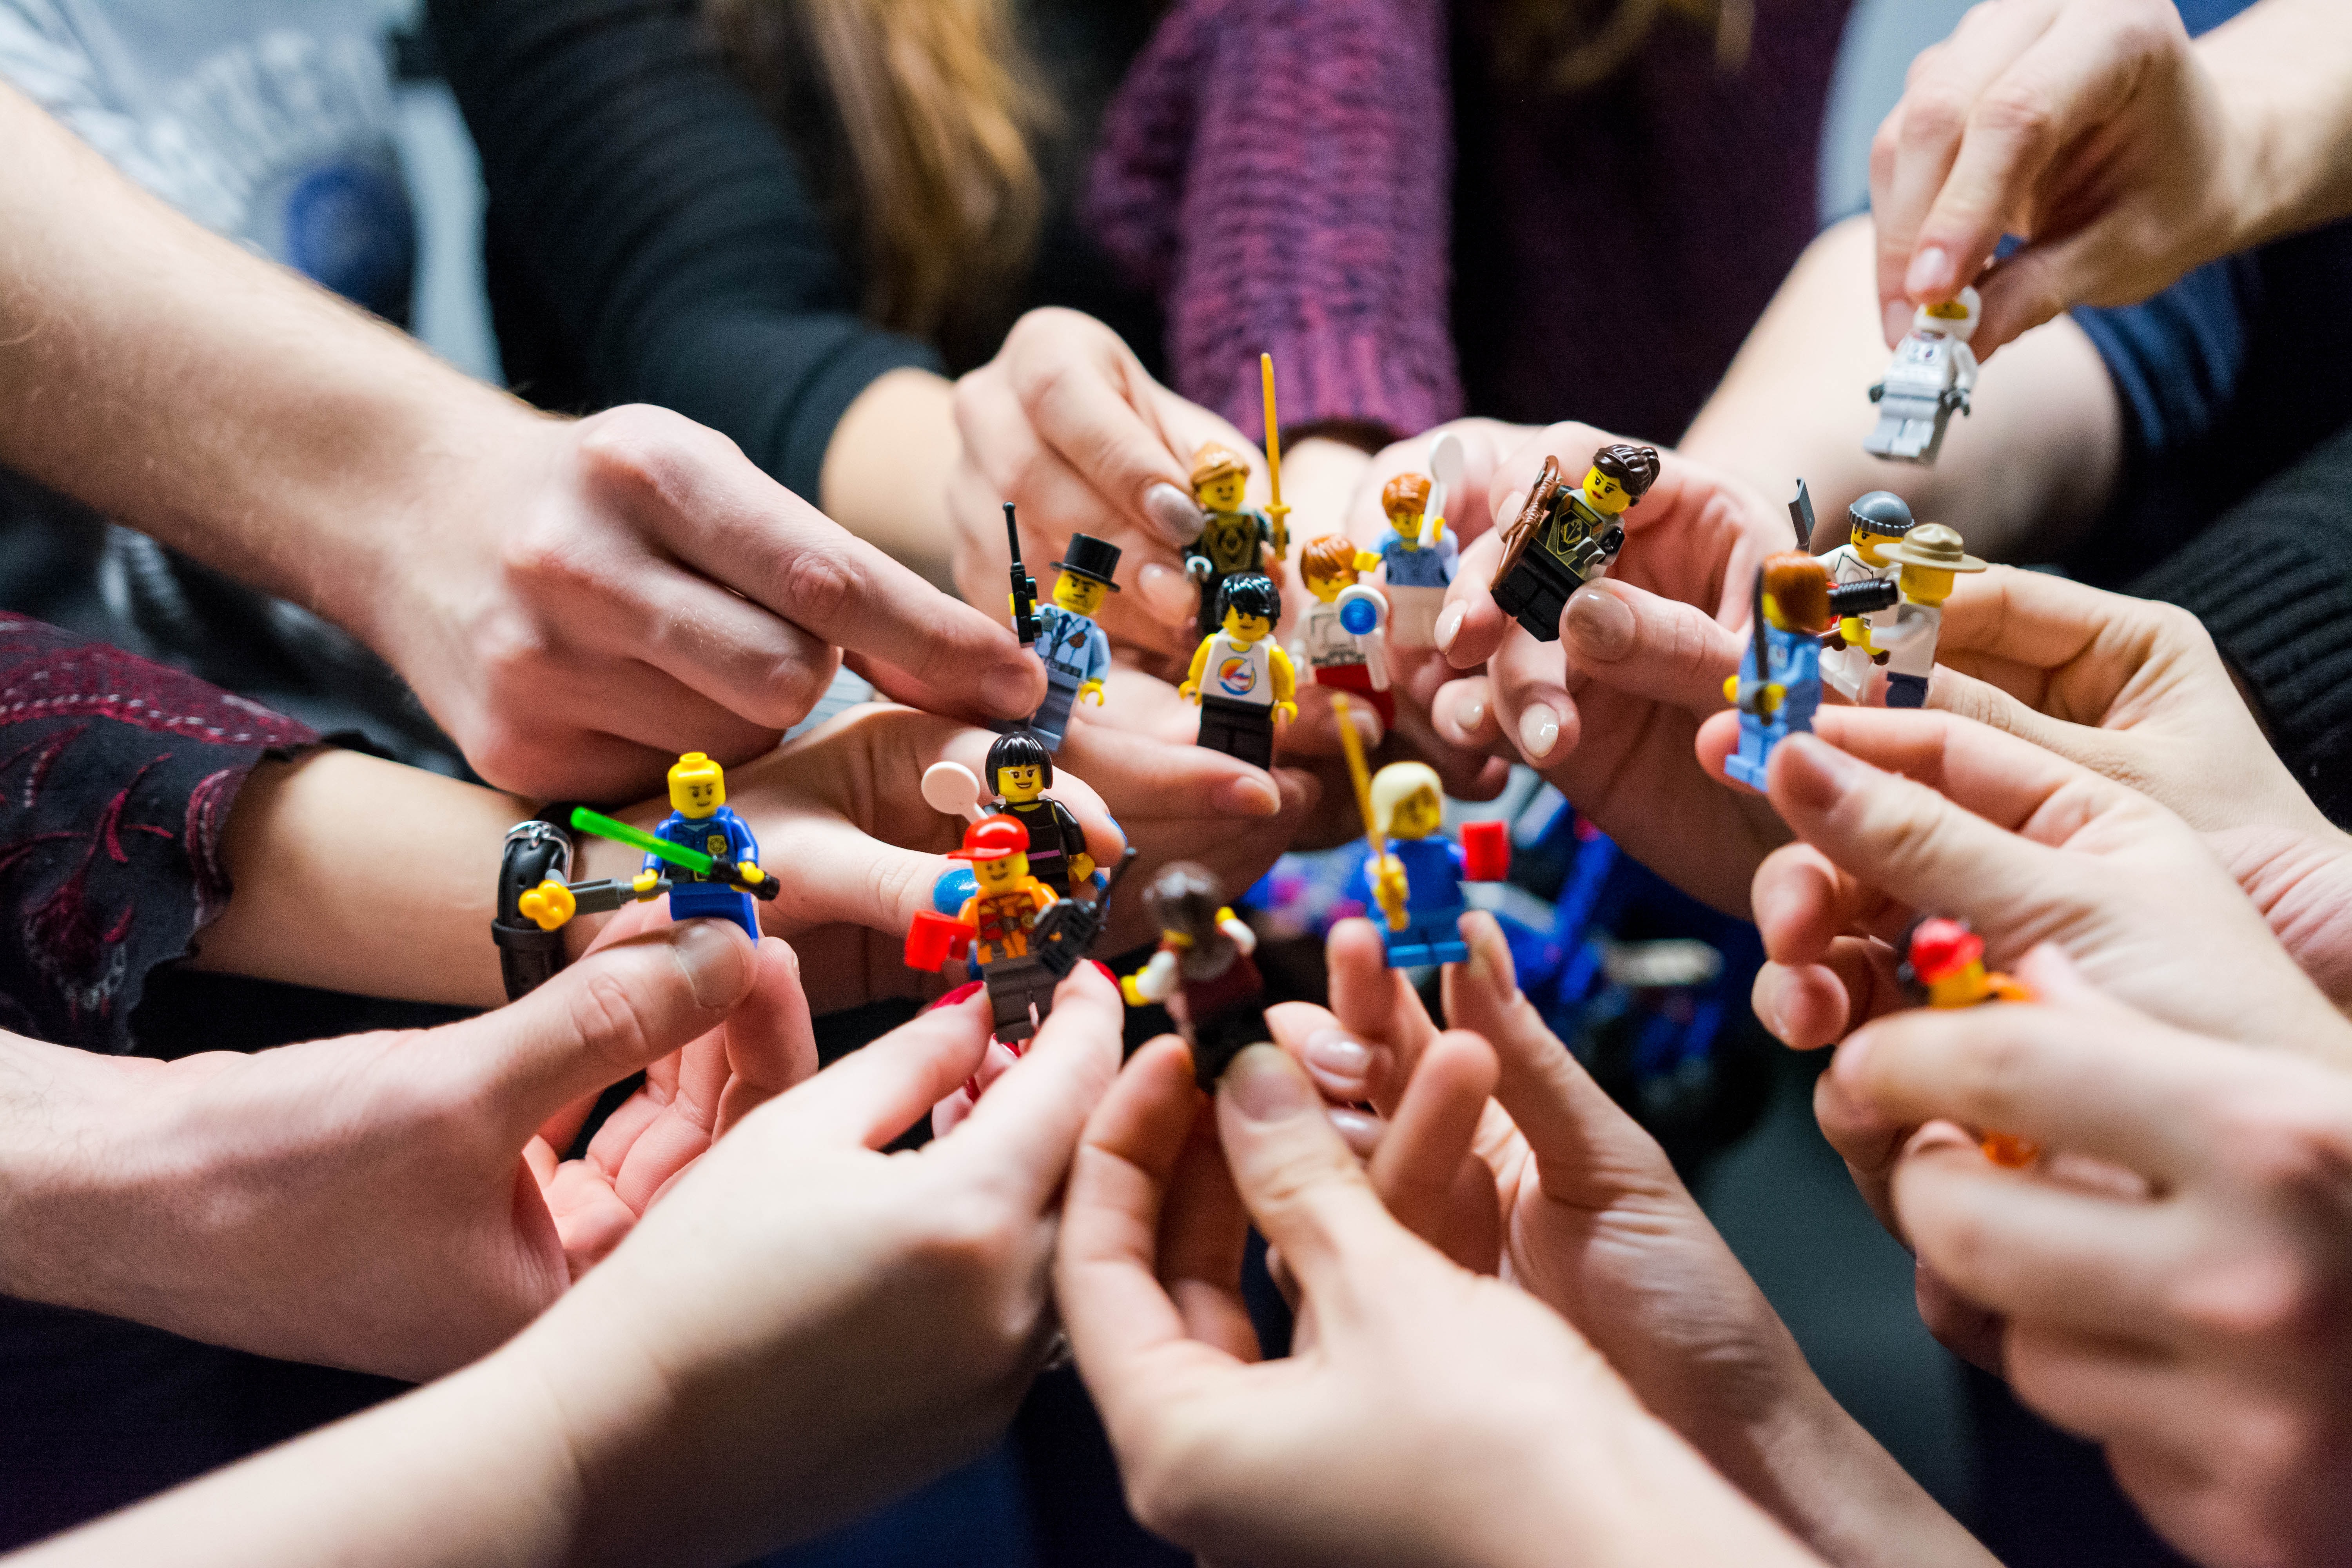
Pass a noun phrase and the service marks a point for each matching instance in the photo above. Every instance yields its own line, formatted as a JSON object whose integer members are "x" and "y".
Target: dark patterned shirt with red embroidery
{"x": 116, "y": 779}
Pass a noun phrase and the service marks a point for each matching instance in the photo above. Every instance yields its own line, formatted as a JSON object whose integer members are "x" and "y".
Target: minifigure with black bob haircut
{"x": 702, "y": 820}
{"x": 1019, "y": 769}
{"x": 1340, "y": 640}
{"x": 1934, "y": 373}
{"x": 1931, "y": 559}
{"x": 1416, "y": 880}
{"x": 1234, "y": 540}
{"x": 1240, "y": 676}
{"x": 1076, "y": 651}
{"x": 1203, "y": 971}
{"x": 1779, "y": 687}
{"x": 1874, "y": 525}
{"x": 1563, "y": 538}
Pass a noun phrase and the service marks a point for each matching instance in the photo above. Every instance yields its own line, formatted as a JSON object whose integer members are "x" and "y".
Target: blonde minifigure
{"x": 1931, "y": 557}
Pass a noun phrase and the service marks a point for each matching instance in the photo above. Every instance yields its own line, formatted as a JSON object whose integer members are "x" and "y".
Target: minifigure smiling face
{"x": 697, "y": 786}
{"x": 1079, "y": 596}
{"x": 1243, "y": 628}
{"x": 1404, "y": 501}
{"x": 1023, "y": 784}
{"x": 1000, "y": 875}
{"x": 1407, "y": 801}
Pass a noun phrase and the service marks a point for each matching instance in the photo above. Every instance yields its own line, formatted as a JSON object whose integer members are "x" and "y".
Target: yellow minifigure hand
{"x": 1286, "y": 710}
{"x": 752, "y": 874}
{"x": 1731, "y": 689}
{"x": 1366, "y": 561}
{"x": 1189, "y": 692}
{"x": 1091, "y": 691}
{"x": 1771, "y": 701}
{"x": 549, "y": 905}
{"x": 646, "y": 884}
{"x": 1130, "y": 990}
{"x": 1081, "y": 867}
{"x": 1856, "y": 632}
{"x": 1390, "y": 891}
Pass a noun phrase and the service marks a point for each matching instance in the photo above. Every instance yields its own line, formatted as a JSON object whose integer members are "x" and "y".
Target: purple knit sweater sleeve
{"x": 1278, "y": 171}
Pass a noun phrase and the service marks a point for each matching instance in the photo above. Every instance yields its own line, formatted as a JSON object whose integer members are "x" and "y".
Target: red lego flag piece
{"x": 1485, "y": 851}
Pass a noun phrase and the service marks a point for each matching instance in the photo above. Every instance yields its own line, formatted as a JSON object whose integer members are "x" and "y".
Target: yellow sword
{"x": 1278, "y": 512}
{"x": 1362, "y": 779}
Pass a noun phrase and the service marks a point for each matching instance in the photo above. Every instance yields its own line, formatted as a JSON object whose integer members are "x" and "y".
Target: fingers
{"x": 872, "y": 1095}
{"x": 1649, "y": 646}
{"x": 1204, "y": 1231}
{"x": 1022, "y": 1133}
{"x": 1378, "y": 1006}
{"x": 1306, "y": 1191}
{"x": 1528, "y": 680}
{"x": 1422, "y": 1168}
{"x": 602, "y": 1019}
{"x": 770, "y": 1042}
{"x": 1472, "y": 625}
{"x": 1094, "y": 410}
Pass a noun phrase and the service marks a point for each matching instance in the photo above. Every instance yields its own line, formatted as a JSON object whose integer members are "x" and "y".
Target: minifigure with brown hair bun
{"x": 1234, "y": 540}
{"x": 1565, "y": 536}
{"x": 1779, "y": 685}
{"x": 1203, "y": 972}
{"x": 1420, "y": 554}
{"x": 1339, "y": 642}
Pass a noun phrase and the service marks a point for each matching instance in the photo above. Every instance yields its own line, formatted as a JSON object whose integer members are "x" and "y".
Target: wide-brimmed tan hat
{"x": 1933, "y": 545}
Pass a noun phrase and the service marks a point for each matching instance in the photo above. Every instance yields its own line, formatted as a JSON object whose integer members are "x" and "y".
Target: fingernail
{"x": 704, "y": 950}
{"x": 1930, "y": 274}
{"x": 1600, "y": 623}
{"x": 1449, "y": 627}
{"x": 1469, "y": 713}
{"x": 1339, "y": 1055}
{"x": 1252, "y": 796}
{"x": 1814, "y": 772}
{"x": 1265, "y": 1086}
{"x": 1173, "y": 512}
{"x": 1490, "y": 957}
{"x": 1897, "y": 321}
{"x": 1366, "y": 721}
{"x": 1166, "y": 592}
{"x": 1764, "y": 999}
{"x": 1013, "y": 688}
{"x": 1539, "y": 731}
{"x": 1360, "y": 1130}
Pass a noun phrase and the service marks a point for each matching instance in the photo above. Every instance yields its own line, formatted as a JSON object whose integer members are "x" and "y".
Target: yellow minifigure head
{"x": 1876, "y": 523}
{"x": 1219, "y": 474}
{"x": 1407, "y": 801}
{"x": 1019, "y": 767}
{"x": 1796, "y": 591}
{"x": 1932, "y": 559}
{"x": 1080, "y": 595}
{"x": 1328, "y": 564}
{"x": 1621, "y": 475}
{"x": 697, "y": 786}
{"x": 1248, "y": 607}
{"x": 998, "y": 848}
{"x": 1087, "y": 569}
{"x": 1404, "y": 500}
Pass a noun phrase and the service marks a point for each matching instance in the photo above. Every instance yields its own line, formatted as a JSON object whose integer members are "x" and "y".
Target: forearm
{"x": 2037, "y": 458}
{"x": 2284, "y": 71}
{"x": 886, "y": 470}
{"x": 204, "y": 396}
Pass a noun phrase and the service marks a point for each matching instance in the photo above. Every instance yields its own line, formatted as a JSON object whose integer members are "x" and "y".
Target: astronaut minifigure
{"x": 1233, "y": 538}
{"x": 1339, "y": 642}
{"x": 1076, "y": 654}
{"x": 1779, "y": 685}
{"x": 1877, "y": 523}
{"x": 1933, "y": 373}
{"x": 1930, "y": 557}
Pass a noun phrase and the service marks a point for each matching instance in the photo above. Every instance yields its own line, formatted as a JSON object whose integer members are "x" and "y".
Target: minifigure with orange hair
{"x": 1943, "y": 966}
{"x": 1338, "y": 641}
{"x": 1420, "y": 554}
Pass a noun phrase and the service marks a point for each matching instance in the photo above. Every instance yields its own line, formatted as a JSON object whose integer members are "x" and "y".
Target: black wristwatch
{"x": 536, "y": 851}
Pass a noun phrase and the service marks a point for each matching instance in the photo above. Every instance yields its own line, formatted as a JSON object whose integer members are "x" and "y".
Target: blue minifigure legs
{"x": 1756, "y": 739}
{"x": 1052, "y": 717}
{"x": 714, "y": 900}
{"x": 1906, "y": 691}
{"x": 1433, "y": 936}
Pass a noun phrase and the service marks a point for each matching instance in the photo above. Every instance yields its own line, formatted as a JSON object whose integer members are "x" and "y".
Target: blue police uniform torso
{"x": 1074, "y": 649}
{"x": 723, "y": 837}
{"x": 1433, "y": 875}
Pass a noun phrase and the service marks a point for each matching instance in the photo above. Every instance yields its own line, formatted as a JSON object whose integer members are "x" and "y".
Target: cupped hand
{"x": 1333, "y": 1454}
{"x": 807, "y": 1325}
{"x": 643, "y": 591}
{"x": 1607, "y": 714}
{"x": 367, "y": 1202}
{"x": 2170, "y": 1281}
{"x": 1066, "y": 423}
{"x": 2089, "y": 129}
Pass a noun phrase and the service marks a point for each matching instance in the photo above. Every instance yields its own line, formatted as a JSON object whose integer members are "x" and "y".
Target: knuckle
{"x": 605, "y": 1016}
{"x": 1934, "y": 116}
{"x": 2015, "y": 112}
{"x": 815, "y": 582}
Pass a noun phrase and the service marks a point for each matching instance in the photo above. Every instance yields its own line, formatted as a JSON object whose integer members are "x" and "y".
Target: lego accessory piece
{"x": 1362, "y": 610}
{"x": 679, "y": 855}
{"x": 1362, "y": 780}
{"x": 530, "y": 952}
{"x": 1936, "y": 547}
{"x": 1801, "y": 516}
{"x": 1096, "y": 559}
{"x": 1485, "y": 851}
{"x": 1024, "y": 587}
{"x": 1276, "y": 514}
{"x": 950, "y": 789}
{"x": 1933, "y": 375}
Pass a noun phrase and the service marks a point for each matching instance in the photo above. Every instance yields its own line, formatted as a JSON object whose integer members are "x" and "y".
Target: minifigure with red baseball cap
{"x": 1943, "y": 966}
{"x": 997, "y": 924}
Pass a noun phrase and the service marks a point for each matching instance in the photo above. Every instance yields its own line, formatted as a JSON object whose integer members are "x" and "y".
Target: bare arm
{"x": 2284, "y": 68}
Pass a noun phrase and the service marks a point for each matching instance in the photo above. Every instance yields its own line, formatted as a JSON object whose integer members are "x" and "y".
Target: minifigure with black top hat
{"x": 1076, "y": 654}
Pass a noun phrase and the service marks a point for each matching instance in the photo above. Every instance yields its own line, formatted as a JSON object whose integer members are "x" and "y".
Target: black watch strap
{"x": 535, "y": 851}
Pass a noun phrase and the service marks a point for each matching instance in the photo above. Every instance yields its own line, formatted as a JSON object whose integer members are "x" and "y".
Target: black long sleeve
{"x": 652, "y": 212}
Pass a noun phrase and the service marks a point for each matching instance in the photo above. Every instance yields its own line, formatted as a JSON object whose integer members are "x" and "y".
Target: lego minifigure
{"x": 1076, "y": 654}
{"x": 1019, "y": 768}
{"x": 702, "y": 820}
{"x": 1240, "y": 676}
{"x": 1934, "y": 371}
{"x": 1203, "y": 971}
{"x": 1339, "y": 639}
{"x": 1415, "y": 880}
{"x": 1875, "y": 524}
{"x": 1930, "y": 557}
{"x": 1943, "y": 966}
{"x": 999, "y": 922}
{"x": 1565, "y": 538}
{"x": 1234, "y": 540}
{"x": 1778, "y": 685}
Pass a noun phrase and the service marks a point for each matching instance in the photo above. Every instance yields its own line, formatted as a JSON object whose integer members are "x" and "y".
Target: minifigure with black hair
{"x": 1240, "y": 675}
{"x": 1564, "y": 537}
{"x": 1019, "y": 769}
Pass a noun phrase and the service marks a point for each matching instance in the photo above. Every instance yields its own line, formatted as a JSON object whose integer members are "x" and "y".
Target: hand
{"x": 1595, "y": 1224}
{"x": 391, "y": 1201}
{"x": 809, "y": 1325}
{"x": 1091, "y": 691}
{"x": 2168, "y": 1282}
{"x": 1608, "y": 713}
{"x": 1067, "y": 424}
{"x": 1286, "y": 710}
{"x": 1327, "y": 1455}
{"x": 2089, "y": 128}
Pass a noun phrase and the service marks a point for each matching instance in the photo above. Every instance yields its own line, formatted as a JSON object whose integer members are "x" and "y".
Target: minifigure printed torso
{"x": 1075, "y": 652}
{"x": 1929, "y": 558}
{"x": 1933, "y": 375}
{"x": 700, "y": 820}
{"x": 1019, "y": 769}
{"x": 1877, "y": 522}
{"x": 1564, "y": 537}
{"x": 1234, "y": 540}
{"x": 1203, "y": 969}
{"x": 1339, "y": 633}
{"x": 1778, "y": 689}
{"x": 1413, "y": 890}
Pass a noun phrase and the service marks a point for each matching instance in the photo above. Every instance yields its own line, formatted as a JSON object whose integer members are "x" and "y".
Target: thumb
{"x": 611, "y": 1013}
{"x": 1303, "y": 1187}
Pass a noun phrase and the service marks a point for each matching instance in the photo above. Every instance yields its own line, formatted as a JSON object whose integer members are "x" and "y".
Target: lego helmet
{"x": 993, "y": 838}
{"x": 1953, "y": 318}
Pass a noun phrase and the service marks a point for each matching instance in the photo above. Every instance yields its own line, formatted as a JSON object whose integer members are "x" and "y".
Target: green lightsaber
{"x": 586, "y": 821}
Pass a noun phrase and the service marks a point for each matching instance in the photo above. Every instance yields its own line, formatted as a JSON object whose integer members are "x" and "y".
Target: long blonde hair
{"x": 936, "y": 107}
{"x": 1572, "y": 44}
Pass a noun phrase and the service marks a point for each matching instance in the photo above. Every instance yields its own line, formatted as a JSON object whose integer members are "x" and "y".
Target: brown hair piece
{"x": 1214, "y": 462}
{"x": 1405, "y": 495}
{"x": 1329, "y": 557}
{"x": 1184, "y": 898}
{"x": 1635, "y": 468}
{"x": 1800, "y": 586}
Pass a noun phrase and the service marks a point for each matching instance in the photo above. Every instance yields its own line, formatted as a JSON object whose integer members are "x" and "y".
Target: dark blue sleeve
{"x": 2178, "y": 360}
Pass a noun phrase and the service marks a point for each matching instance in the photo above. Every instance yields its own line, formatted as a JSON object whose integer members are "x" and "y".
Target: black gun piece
{"x": 1024, "y": 587}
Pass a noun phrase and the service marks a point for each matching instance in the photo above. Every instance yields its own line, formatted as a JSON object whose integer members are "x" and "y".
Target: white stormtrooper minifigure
{"x": 1932, "y": 374}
